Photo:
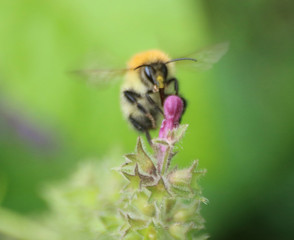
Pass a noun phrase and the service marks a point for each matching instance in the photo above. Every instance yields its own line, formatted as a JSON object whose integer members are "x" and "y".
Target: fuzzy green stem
{"x": 165, "y": 161}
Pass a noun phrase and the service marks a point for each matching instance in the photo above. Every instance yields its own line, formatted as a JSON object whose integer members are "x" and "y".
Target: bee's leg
{"x": 176, "y": 84}
{"x": 148, "y": 138}
{"x": 185, "y": 104}
{"x": 151, "y": 101}
{"x": 141, "y": 128}
{"x": 136, "y": 124}
{"x": 132, "y": 97}
{"x": 184, "y": 107}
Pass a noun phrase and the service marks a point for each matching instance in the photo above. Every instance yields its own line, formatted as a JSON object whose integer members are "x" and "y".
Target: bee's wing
{"x": 101, "y": 77}
{"x": 206, "y": 57}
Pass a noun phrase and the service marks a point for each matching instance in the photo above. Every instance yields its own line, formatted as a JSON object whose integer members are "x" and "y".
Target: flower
{"x": 173, "y": 109}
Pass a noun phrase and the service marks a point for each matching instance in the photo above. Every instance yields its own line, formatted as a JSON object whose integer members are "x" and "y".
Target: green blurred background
{"x": 240, "y": 113}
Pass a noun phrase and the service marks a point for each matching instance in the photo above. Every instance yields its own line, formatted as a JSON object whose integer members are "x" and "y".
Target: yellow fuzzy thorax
{"x": 147, "y": 57}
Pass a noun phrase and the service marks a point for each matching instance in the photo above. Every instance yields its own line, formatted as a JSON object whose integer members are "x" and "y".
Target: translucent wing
{"x": 101, "y": 77}
{"x": 206, "y": 57}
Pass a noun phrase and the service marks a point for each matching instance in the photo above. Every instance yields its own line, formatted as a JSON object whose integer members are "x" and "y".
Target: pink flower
{"x": 173, "y": 109}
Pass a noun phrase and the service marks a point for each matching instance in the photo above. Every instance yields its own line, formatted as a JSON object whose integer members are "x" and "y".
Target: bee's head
{"x": 155, "y": 74}
{"x": 154, "y": 67}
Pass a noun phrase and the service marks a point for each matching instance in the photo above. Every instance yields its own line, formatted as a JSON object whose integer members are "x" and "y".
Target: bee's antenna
{"x": 180, "y": 59}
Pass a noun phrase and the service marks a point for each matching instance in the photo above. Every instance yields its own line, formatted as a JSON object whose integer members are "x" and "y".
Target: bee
{"x": 149, "y": 79}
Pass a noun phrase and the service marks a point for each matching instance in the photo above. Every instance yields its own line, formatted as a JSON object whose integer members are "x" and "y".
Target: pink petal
{"x": 173, "y": 108}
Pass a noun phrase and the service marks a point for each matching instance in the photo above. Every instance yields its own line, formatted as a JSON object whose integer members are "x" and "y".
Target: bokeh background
{"x": 240, "y": 113}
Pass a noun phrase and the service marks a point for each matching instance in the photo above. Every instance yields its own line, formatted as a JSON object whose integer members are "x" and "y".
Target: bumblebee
{"x": 145, "y": 88}
{"x": 149, "y": 79}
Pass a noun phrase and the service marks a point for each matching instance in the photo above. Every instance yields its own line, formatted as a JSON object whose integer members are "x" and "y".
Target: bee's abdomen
{"x": 143, "y": 120}
{"x": 141, "y": 123}
{"x": 142, "y": 115}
